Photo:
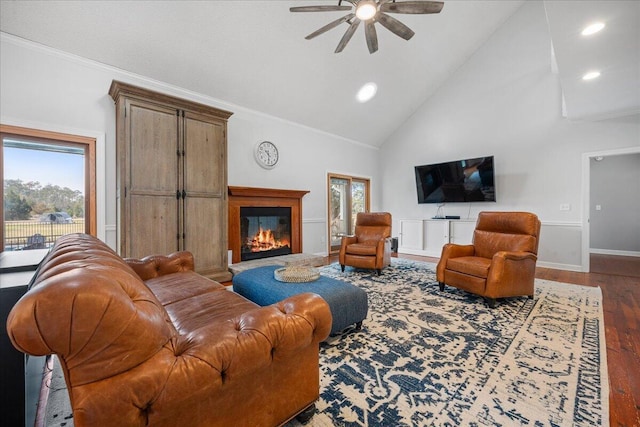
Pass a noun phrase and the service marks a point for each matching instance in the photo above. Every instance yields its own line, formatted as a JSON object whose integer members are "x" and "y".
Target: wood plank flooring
{"x": 620, "y": 283}
{"x": 617, "y": 265}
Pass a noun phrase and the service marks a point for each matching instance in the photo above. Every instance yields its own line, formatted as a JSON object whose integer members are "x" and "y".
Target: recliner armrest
{"x": 452, "y": 250}
{"x": 347, "y": 240}
{"x": 515, "y": 256}
{"x": 514, "y": 271}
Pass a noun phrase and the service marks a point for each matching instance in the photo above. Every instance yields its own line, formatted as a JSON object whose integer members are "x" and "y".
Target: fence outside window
{"x": 34, "y": 234}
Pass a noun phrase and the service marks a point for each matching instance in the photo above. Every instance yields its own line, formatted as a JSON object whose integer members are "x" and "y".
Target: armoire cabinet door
{"x": 150, "y": 203}
{"x": 205, "y": 209}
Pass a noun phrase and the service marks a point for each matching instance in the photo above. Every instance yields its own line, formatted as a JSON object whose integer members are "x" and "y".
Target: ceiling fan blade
{"x": 413, "y": 7}
{"x": 318, "y": 8}
{"x": 347, "y": 35}
{"x": 395, "y": 26}
{"x": 330, "y": 26}
{"x": 371, "y": 35}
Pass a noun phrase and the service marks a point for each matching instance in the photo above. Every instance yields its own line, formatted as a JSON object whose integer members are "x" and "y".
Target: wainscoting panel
{"x": 560, "y": 242}
{"x": 314, "y": 232}
{"x": 561, "y": 246}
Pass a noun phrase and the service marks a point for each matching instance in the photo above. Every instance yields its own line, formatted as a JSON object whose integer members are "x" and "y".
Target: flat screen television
{"x": 468, "y": 180}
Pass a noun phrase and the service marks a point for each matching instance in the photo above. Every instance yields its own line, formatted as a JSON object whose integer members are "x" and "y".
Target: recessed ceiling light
{"x": 593, "y": 28}
{"x": 591, "y": 75}
{"x": 367, "y": 92}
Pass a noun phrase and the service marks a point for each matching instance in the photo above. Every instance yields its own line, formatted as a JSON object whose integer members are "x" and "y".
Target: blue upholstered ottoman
{"x": 349, "y": 304}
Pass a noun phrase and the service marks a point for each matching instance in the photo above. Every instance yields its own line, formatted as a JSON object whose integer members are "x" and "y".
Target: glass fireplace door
{"x": 265, "y": 232}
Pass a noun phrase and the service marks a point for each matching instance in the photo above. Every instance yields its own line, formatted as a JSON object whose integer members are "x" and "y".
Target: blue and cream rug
{"x": 426, "y": 357}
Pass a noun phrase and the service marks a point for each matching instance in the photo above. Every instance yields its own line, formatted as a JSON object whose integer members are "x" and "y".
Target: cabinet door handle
{"x": 184, "y": 194}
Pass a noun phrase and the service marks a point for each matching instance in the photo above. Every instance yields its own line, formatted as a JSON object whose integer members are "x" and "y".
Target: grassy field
{"x": 17, "y": 233}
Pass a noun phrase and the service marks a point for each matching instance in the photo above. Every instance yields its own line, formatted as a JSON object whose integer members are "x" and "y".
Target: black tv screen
{"x": 469, "y": 180}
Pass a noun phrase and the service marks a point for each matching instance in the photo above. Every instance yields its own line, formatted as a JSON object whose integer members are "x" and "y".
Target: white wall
{"x": 505, "y": 101}
{"x": 47, "y": 89}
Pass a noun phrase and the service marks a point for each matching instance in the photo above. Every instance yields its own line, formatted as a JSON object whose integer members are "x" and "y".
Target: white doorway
{"x": 587, "y": 159}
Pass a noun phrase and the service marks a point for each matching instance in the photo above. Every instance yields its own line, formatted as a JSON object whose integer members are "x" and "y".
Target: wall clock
{"x": 266, "y": 154}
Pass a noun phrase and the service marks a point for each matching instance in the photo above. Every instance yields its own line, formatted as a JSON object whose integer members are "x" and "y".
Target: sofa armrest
{"x": 160, "y": 265}
{"x": 294, "y": 322}
{"x": 253, "y": 340}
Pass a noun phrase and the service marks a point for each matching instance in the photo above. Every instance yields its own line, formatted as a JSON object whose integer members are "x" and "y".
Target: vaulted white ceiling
{"x": 253, "y": 53}
{"x": 614, "y": 52}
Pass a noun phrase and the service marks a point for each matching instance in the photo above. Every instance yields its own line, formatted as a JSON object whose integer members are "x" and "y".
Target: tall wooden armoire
{"x": 171, "y": 178}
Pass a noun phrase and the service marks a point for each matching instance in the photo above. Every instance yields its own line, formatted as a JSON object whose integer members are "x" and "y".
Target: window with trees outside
{"x": 348, "y": 195}
{"x": 48, "y": 187}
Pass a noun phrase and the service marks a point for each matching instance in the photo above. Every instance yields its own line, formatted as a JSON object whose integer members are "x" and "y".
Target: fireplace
{"x": 264, "y": 232}
{"x": 259, "y": 214}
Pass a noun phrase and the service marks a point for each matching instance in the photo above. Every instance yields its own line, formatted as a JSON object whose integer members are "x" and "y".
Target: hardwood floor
{"x": 618, "y": 265}
{"x": 621, "y": 306}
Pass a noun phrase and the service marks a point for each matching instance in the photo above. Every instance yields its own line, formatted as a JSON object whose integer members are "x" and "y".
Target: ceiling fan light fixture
{"x": 366, "y": 10}
{"x": 366, "y": 92}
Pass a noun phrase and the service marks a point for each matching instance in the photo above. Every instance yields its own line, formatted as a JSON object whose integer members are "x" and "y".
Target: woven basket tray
{"x": 296, "y": 274}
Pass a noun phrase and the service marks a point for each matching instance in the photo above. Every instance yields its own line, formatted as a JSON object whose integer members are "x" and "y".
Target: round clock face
{"x": 266, "y": 154}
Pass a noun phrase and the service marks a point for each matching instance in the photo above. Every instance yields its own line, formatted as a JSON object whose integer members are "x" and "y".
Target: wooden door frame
{"x": 349, "y": 178}
{"x": 50, "y": 137}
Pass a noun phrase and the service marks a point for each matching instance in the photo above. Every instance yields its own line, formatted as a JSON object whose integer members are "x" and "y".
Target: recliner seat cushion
{"x": 471, "y": 265}
{"x": 363, "y": 248}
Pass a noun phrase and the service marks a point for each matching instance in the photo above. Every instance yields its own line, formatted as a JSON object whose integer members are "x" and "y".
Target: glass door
{"x": 347, "y": 196}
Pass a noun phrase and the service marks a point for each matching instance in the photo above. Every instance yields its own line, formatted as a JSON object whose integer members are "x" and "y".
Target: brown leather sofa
{"x": 500, "y": 263}
{"x": 151, "y": 343}
{"x": 370, "y": 246}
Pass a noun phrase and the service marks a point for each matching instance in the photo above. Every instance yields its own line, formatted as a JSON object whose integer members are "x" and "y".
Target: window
{"x": 48, "y": 187}
{"x": 347, "y": 196}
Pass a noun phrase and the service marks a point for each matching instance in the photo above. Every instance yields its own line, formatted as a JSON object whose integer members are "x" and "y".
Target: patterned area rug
{"x": 426, "y": 357}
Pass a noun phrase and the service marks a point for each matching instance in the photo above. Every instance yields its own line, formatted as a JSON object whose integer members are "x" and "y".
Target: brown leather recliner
{"x": 370, "y": 246}
{"x": 501, "y": 261}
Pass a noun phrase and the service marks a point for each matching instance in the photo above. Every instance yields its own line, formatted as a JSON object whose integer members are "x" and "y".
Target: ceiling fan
{"x": 371, "y": 11}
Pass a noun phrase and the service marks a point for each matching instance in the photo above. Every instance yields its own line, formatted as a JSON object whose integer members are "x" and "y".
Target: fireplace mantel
{"x": 264, "y": 197}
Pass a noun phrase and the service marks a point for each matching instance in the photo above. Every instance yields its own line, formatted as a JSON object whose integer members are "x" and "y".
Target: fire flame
{"x": 265, "y": 241}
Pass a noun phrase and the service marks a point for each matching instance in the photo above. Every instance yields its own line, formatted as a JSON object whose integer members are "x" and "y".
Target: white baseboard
{"x": 614, "y": 252}
{"x": 419, "y": 252}
{"x": 558, "y": 266}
